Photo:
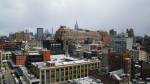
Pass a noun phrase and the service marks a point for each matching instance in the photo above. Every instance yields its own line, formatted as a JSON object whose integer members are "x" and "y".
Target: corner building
{"x": 52, "y": 72}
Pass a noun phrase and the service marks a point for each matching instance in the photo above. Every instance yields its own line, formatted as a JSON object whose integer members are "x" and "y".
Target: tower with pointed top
{"x": 76, "y": 27}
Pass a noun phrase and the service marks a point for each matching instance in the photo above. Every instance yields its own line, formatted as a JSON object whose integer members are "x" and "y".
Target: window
{"x": 47, "y": 77}
{"x": 70, "y": 72}
{"x": 52, "y": 75}
{"x": 57, "y": 75}
{"x": 66, "y": 73}
{"x": 75, "y": 71}
{"x": 42, "y": 77}
{"x": 62, "y": 74}
{"x": 78, "y": 72}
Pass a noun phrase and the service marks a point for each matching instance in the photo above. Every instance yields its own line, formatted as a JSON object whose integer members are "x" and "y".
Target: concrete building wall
{"x": 129, "y": 42}
{"x": 118, "y": 44}
{"x": 143, "y": 55}
{"x": 20, "y": 36}
{"x": 56, "y": 74}
{"x": 138, "y": 55}
{"x": 6, "y": 55}
{"x": 134, "y": 54}
{"x": 121, "y": 43}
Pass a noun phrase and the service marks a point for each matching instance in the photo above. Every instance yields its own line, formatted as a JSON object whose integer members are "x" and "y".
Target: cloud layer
{"x": 18, "y": 15}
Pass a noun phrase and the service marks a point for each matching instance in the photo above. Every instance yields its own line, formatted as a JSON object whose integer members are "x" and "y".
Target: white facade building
{"x": 121, "y": 43}
{"x": 138, "y": 55}
{"x": 5, "y": 55}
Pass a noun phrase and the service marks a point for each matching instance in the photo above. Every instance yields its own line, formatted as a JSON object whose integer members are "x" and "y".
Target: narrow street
{"x": 8, "y": 76}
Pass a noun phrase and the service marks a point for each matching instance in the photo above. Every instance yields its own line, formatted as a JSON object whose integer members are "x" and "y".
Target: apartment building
{"x": 138, "y": 55}
{"x": 121, "y": 43}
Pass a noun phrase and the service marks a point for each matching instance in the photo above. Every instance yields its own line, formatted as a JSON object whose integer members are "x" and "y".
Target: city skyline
{"x": 74, "y": 42}
{"x": 19, "y": 15}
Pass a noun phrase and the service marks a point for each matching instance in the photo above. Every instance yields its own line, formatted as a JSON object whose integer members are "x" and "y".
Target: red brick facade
{"x": 46, "y": 55}
{"x": 20, "y": 59}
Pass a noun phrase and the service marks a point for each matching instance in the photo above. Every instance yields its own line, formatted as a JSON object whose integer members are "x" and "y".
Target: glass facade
{"x": 33, "y": 58}
{"x": 55, "y": 47}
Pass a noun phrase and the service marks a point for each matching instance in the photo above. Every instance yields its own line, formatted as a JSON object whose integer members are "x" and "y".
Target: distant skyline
{"x": 17, "y": 15}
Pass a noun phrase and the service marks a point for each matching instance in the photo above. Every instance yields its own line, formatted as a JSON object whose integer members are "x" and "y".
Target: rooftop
{"x": 30, "y": 77}
{"x": 17, "y": 52}
{"x": 59, "y": 60}
{"x": 87, "y": 80}
{"x": 33, "y": 53}
{"x": 28, "y": 53}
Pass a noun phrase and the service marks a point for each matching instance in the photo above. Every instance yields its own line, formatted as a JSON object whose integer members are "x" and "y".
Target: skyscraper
{"x": 40, "y": 33}
{"x": 76, "y": 26}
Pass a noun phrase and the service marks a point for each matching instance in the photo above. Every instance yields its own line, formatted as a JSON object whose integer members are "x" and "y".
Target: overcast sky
{"x": 17, "y": 15}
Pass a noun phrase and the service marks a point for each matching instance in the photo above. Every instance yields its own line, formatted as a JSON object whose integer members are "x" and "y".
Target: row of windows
{"x": 66, "y": 73}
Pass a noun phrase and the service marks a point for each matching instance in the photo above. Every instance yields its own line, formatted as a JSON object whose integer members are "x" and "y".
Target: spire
{"x": 76, "y": 26}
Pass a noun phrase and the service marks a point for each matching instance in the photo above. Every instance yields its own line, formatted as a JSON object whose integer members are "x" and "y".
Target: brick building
{"x": 21, "y": 36}
{"x": 116, "y": 60}
{"x": 11, "y": 45}
{"x": 65, "y": 33}
{"x": 19, "y": 58}
{"x": 46, "y": 55}
{"x": 26, "y": 58}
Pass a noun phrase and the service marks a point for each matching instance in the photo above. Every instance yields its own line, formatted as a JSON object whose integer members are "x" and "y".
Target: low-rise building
{"x": 119, "y": 77}
{"x": 87, "y": 80}
{"x": 6, "y": 55}
{"x": 12, "y": 45}
{"x": 19, "y": 58}
{"x": 26, "y": 58}
{"x": 63, "y": 69}
{"x": 21, "y": 36}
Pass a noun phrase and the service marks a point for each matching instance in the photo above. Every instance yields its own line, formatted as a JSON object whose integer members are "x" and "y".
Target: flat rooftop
{"x": 87, "y": 80}
{"x": 33, "y": 53}
{"x": 17, "y": 52}
{"x": 60, "y": 60}
{"x": 27, "y": 53}
{"x": 29, "y": 77}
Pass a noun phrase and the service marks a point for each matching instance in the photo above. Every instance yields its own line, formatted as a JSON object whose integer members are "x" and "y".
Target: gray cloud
{"x": 18, "y": 15}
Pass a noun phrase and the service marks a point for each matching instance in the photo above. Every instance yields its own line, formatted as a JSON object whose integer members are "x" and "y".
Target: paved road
{"x": 8, "y": 75}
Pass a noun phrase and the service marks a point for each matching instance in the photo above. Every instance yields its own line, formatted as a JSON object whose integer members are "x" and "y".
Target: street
{"x": 7, "y": 75}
